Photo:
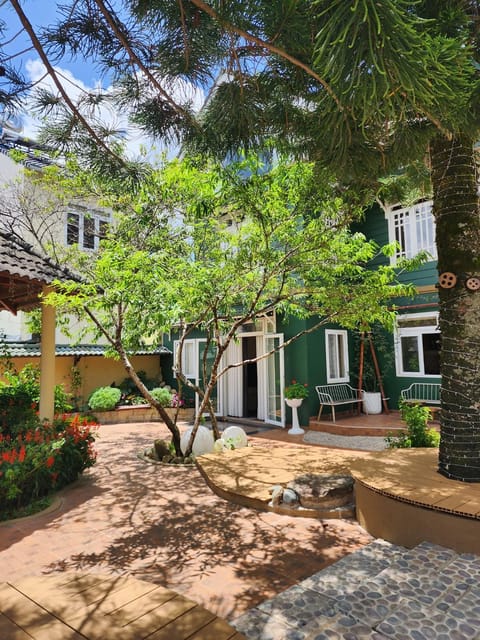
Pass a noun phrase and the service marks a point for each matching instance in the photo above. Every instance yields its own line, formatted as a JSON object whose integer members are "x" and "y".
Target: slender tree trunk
{"x": 457, "y": 216}
{"x": 171, "y": 424}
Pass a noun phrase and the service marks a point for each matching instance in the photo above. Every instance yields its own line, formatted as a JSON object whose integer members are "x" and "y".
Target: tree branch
{"x": 53, "y": 74}
{"x": 117, "y": 30}
{"x": 270, "y": 47}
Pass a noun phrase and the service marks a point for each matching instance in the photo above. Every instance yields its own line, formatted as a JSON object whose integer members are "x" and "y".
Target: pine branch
{"x": 52, "y": 73}
{"x": 270, "y": 47}
{"x": 122, "y": 38}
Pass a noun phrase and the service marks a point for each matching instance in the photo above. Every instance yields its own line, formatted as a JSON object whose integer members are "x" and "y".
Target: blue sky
{"x": 41, "y": 13}
{"x": 76, "y": 75}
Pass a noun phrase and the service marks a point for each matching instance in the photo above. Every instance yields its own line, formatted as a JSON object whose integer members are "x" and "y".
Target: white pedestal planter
{"x": 372, "y": 402}
{"x": 294, "y": 403}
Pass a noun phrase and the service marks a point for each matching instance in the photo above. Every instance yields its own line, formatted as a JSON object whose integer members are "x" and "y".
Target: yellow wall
{"x": 98, "y": 371}
{"x": 95, "y": 371}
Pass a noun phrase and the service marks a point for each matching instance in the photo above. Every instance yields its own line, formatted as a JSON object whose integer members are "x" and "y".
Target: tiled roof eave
{"x": 28, "y": 349}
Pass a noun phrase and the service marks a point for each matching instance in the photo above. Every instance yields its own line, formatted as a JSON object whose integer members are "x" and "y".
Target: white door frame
{"x": 279, "y": 397}
{"x": 233, "y": 387}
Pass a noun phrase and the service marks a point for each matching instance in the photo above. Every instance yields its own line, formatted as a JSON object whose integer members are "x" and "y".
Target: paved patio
{"x": 164, "y": 525}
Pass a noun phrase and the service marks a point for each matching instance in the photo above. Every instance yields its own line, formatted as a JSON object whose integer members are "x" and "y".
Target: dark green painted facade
{"x": 305, "y": 358}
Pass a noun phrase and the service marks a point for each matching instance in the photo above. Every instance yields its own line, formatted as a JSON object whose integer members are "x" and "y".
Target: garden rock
{"x": 161, "y": 449}
{"x": 322, "y": 491}
{"x": 277, "y": 493}
{"x": 289, "y": 497}
{"x": 235, "y": 435}
{"x": 202, "y": 444}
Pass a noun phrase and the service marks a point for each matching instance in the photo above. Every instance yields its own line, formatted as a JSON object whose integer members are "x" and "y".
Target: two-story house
{"x": 330, "y": 354}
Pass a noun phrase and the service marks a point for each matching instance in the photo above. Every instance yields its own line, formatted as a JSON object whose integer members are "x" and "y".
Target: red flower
{"x": 50, "y": 461}
{"x": 21, "y": 455}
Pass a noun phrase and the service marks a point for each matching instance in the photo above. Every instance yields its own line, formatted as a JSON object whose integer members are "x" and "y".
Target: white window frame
{"x": 84, "y": 214}
{"x": 417, "y": 332}
{"x": 413, "y": 228}
{"x": 340, "y": 334}
{"x": 189, "y": 356}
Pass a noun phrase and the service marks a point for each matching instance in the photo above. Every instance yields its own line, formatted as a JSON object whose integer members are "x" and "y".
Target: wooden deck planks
{"x": 11, "y": 630}
{"x": 217, "y": 629}
{"x": 183, "y": 627}
{"x": 411, "y": 475}
{"x": 130, "y": 611}
{"x": 33, "y": 619}
{"x": 160, "y": 616}
{"x": 54, "y": 608}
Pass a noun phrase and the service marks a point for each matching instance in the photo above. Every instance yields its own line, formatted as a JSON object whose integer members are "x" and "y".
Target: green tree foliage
{"x": 363, "y": 87}
{"x": 208, "y": 248}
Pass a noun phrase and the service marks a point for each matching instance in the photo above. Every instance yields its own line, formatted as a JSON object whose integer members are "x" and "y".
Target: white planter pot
{"x": 294, "y": 403}
{"x": 372, "y": 402}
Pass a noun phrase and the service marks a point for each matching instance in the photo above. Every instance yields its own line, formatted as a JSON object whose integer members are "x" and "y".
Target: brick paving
{"x": 163, "y": 524}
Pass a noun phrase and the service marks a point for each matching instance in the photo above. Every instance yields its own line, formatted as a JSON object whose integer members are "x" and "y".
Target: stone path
{"x": 382, "y": 592}
{"x": 366, "y": 443}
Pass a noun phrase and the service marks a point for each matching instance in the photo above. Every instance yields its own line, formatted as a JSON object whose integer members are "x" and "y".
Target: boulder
{"x": 236, "y": 436}
{"x": 322, "y": 491}
{"x": 290, "y": 496}
{"x": 277, "y": 493}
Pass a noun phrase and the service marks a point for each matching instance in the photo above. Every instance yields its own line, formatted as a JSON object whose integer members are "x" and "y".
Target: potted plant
{"x": 371, "y": 392}
{"x": 295, "y": 393}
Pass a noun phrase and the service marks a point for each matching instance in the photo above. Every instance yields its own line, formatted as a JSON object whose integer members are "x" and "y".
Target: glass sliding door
{"x": 274, "y": 377}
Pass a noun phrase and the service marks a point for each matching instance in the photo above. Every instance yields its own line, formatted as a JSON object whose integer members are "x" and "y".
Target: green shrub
{"x": 17, "y": 411}
{"x": 104, "y": 399}
{"x": 418, "y": 433}
{"x": 128, "y": 387}
{"x": 27, "y": 381}
{"x": 163, "y": 396}
{"x": 63, "y": 400}
{"x": 41, "y": 459}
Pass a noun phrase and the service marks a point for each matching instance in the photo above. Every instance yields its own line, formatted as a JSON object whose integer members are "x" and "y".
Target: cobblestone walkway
{"x": 382, "y": 592}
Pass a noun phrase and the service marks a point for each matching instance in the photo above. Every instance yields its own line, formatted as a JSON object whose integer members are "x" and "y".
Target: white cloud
{"x": 135, "y": 138}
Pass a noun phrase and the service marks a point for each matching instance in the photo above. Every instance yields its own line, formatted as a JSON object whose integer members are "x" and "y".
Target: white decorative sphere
{"x": 220, "y": 445}
{"x": 203, "y": 442}
{"x": 236, "y": 435}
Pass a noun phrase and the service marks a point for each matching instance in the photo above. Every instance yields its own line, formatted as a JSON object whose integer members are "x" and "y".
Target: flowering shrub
{"x": 177, "y": 401}
{"x": 296, "y": 390}
{"x": 40, "y": 459}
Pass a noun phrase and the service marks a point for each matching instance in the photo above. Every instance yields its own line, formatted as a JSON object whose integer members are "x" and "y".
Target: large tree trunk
{"x": 457, "y": 216}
